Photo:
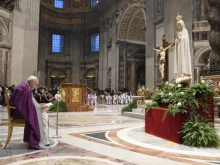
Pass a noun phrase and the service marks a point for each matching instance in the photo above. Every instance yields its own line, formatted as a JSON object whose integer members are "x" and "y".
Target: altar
{"x": 73, "y": 96}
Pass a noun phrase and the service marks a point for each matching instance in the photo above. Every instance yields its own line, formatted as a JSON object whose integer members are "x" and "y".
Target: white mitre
{"x": 32, "y": 78}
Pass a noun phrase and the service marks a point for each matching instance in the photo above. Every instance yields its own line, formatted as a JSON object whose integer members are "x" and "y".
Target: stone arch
{"x": 90, "y": 72}
{"x": 132, "y": 24}
{"x": 90, "y": 77}
{"x": 57, "y": 76}
{"x": 57, "y": 72}
{"x": 199, "y": 56}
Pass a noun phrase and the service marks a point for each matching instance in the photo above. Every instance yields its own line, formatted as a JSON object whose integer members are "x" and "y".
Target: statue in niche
{"x": 182, "y": 56}
{"x": 213, "y": 16}
{"x": 162, "y": 52}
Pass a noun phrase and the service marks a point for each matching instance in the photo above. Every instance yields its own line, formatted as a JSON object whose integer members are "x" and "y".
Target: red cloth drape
{"x": 169, "y": 128}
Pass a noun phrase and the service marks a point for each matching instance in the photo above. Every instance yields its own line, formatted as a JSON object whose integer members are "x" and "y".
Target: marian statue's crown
{"x": 179, "y": 17}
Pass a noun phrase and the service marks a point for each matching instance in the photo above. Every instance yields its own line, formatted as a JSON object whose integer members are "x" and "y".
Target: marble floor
{"x": 101, "y": 137}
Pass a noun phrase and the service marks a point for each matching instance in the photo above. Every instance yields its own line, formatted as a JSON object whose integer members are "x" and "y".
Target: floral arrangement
{"x": 196, "y": 131}
{"x": 178, "y": 99}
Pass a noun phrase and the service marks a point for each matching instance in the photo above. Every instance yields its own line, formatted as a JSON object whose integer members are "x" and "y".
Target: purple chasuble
{"x": 25, "y": 109}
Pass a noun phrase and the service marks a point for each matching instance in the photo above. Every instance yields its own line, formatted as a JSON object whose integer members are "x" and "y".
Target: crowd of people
{"x": 34, "y": 111}
{"x": 42, "y": 94}
{"x": 111, "y": 98}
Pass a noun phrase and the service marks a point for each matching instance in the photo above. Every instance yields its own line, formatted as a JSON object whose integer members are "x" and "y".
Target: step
{"x": 217, "y": 120}
{"x": 134, "y": 115}
{"x": 141, "y": 106}
{"x": 138, "y": 110}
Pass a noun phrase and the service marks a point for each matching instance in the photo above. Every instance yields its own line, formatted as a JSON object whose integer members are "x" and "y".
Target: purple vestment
{"x": 25, "y": 109}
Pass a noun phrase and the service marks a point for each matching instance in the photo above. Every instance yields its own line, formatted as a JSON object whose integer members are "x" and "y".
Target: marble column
{"x": 68, "y": 75}
{"x": 96, "y": 76}
{"x": 1, "y": 68}
{"x": 48, "y": 79}
{"x": 103, "y": 61}
{"x": 203, "y": 10}
{"x": 133, "y": 76}
{"x": 25, "y": 34}
{"x": 76, "y": 60}
{"x": 150, "y": 44}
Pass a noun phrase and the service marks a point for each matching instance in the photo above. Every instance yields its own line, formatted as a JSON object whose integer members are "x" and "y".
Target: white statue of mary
{"x": 182, "y": 57}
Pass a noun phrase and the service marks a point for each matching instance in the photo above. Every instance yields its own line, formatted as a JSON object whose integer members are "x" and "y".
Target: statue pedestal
{"x": 73, "y": 96}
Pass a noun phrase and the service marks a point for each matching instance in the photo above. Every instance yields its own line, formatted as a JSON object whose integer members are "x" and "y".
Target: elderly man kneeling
{"x": 27, "y": 108}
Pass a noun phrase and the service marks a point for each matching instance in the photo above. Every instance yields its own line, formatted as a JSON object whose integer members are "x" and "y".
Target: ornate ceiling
{"x": 71, "y": 6}
{"x": 75, "y": 12}
{"x": 132, "y": 25}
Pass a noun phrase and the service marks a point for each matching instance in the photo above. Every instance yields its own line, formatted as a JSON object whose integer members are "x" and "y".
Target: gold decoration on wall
{"x": 90, "y": 73}
{"x": 66, "y": 21}
{"x": 75, "y": 95}
{"x": 71, "y": 6}
{"x": 63, "y": 94}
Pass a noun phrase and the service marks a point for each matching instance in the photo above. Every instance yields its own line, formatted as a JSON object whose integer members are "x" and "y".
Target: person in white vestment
{"x": 129, "y": 99}
{"x": 95, "y": 99}
{"x": 89, "y": 99}
{"x": 182, "y": 57}
{"x": 92, "y": 99}
{"x": 122, "y": 98}
{"x": 115, "y": 99}
{"x": 126, "y": 98}
{"x": 42, "y": 116}
{"x": 109, "y": 99}
{"x": 57, "y": 96}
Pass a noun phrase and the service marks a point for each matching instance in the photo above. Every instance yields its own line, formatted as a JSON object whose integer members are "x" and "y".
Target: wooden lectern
{"x": 73, "y": 96}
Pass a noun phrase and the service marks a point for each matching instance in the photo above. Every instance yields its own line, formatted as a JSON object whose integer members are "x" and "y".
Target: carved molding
{"x": 132, "y": 25}
{"x": 159, "y": 10}
{"x": 121, "y": 68}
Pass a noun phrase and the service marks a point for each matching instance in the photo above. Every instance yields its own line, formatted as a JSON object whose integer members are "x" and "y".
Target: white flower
{"x": 167, "y": 83}
{"x": 202, "y": 81}
{"x": 171, "y": 85}
{"x": 182, "y": 93}
{"x": 179, "y": 104}
{"x": 179, "y": 85}
{"x": 170, "y": 94}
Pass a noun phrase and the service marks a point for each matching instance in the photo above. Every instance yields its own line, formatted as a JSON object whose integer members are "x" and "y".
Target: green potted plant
{"x": 60, "y": 105}
{"x": 198, "y": 132}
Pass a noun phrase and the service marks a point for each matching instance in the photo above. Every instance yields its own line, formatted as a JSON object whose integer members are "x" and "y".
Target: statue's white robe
{"x": 182, "y": 57}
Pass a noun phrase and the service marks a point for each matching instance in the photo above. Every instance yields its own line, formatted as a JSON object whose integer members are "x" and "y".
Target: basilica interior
{"x": 106, "y": 45}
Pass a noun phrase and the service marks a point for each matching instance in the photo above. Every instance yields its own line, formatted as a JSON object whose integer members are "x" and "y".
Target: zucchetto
{"x": 32, "y": 78}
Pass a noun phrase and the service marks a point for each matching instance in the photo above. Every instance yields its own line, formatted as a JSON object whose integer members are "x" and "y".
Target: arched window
{"x": 95, "y": 42}
{"x": 59, "y": 4}
{"x": 94, "y": 2}
{"x": 57, "y": 43}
